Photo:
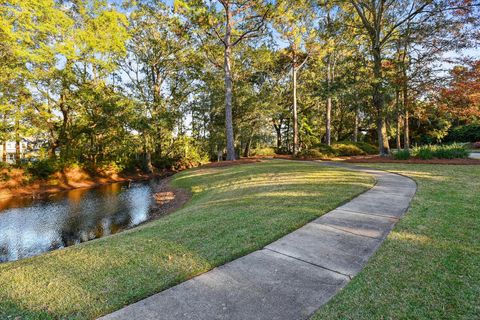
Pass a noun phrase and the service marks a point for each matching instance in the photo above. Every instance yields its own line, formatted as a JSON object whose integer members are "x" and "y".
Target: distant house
{"x": 8, "y": 150}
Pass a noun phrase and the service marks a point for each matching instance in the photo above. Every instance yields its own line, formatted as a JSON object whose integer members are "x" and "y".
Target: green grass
{"x": 233, "y": 211}
{"x": 429, "y": 266}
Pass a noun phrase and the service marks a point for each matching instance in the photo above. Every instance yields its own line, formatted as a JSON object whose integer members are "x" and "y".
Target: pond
{"x": 29, "y": 227}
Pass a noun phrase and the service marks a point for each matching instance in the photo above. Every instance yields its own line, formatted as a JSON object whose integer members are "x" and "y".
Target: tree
{"x": 294, "y": 23}
{"x": 235, "y": 22}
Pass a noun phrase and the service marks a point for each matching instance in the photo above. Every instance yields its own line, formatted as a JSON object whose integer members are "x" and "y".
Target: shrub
{"x": 42, "y": 168}
{"x": 466, "y": 133}
{"x": 451, "y": 151}
{"x": 313, "y": 153}
{"x": 476, "y": 145}
{"x": 342, "y": 149}
{"x": 282, "y": 150}
{"x": 324, "y": 148}
{"x": 401, "y": 155}
{"x": 423, "y": 152}
{"x": 267, "y": 151}
{"x": 364, "y": 146}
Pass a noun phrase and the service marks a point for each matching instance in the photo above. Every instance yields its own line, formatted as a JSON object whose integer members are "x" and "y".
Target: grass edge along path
{"x": 429, "y": 265}
{"x": 234, "y": 211}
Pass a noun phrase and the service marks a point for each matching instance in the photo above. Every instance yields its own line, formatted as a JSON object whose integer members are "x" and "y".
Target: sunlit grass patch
{"x": 233, "y": 211}
{"x": 429, "y": 266}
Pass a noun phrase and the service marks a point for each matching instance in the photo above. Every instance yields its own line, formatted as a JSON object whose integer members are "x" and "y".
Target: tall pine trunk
{"x": 355, "y": 128}
{"x": 406, "y": 133}
{"x": 229, "y": 88}
{"x": 295, "y": 116}
{"x": 379, "y": 102}
{"x": 398, "y": 119}
{"x": 328, "y": 113}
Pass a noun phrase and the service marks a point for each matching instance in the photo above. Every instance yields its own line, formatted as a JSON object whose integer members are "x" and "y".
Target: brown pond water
{"x": 29, "y": 227}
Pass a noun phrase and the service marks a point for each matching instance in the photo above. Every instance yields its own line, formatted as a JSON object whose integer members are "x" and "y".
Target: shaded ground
{"x": 233, "y": 211}
{"x": 429, "y": 266}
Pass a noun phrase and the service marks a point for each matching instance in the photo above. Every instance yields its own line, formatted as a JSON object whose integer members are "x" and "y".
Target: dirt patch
{"x": 168, "y": 198}
{"x": 378, "y": 159}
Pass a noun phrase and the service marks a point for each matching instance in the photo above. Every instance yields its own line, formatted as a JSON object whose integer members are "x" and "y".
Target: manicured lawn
{"x": 233, "y": 211}
{"x": 429, "y": 266}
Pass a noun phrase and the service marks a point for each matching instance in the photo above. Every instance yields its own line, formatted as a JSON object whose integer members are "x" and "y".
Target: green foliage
{"x": 423, "y": 152}
{"x": 266, "y": 151}
{"x": 313, "y": 153}
{"x": 447, "y": 151}
{"x": 401, "y": 155}
{"x": 42, "y": 168}
{"x": 342, "y": 149}
{"x": 466, "y": 133}
{"x": 324, "y": 148}
{"x": 364, "y": 146}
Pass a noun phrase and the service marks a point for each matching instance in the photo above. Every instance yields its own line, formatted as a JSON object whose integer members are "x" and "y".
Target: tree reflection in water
{"x": 30, "y": 227}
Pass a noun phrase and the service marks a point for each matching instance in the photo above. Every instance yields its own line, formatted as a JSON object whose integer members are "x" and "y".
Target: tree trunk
{"x": 278, "y": 131}
{"x": 378, "y": 102}
{"x": 295, "y": 117}
{"x": 406, "y": 138}
{"x": 355, "y": 129}
{"x": 228, "y": 87}
{"x": 17, "y": 141}
{"x": 246, "y": 151}
{"x": 406, "y": 129}
{"x": 328, "y": 113}
{"x": 4, "y": 151}
{"x": 399, "y": 119}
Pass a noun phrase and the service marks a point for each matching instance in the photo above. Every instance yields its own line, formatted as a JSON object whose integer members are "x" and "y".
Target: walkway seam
{"x": 310, "y": 263}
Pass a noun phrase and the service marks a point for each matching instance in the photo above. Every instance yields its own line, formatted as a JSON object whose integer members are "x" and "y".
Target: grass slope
{"x": 233, "y": 211}
{"x": 429, "y": 266}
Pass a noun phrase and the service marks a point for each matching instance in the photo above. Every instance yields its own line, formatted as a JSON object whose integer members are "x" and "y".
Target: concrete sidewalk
{"x": 295, "y": 275}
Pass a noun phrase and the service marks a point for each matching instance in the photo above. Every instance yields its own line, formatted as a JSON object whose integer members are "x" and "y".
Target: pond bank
{"x": 15, "y": 184}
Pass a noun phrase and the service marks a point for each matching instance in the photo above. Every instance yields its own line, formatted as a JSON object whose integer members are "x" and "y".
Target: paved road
{"x": 475, "y": 155}
{"x": 295, "y": 275}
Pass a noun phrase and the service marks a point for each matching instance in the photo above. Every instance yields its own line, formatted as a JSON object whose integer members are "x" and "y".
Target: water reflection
{"x": 29, "y": 227}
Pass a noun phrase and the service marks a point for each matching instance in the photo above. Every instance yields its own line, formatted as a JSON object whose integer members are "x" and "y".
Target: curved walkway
{"x": 295, "y": 275}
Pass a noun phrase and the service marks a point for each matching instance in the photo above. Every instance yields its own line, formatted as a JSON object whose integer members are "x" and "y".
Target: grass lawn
{"x": 429, "y": 266}
{"x": 233, "y": 211}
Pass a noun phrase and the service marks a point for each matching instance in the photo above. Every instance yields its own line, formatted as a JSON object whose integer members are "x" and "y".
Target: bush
{"x": 423, "y": 152}
{"x": 282, "y": 150}
{"x": 466, "y": 133}
{"x": 313, "y": 153}
{"x": 42, "y": 168}
{"x": 342, "y": 149}
{"x": 267, "y": 151}
{"x": 476, "y": 145}
{"x": 324, "y": 148}
{"x": 451, "y": 151}
{"x": 364, "y": 146}
{"x": 401, "y": 155}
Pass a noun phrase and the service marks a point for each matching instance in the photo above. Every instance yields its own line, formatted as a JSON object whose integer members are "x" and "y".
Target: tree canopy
{"x": 152, "y": 84}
